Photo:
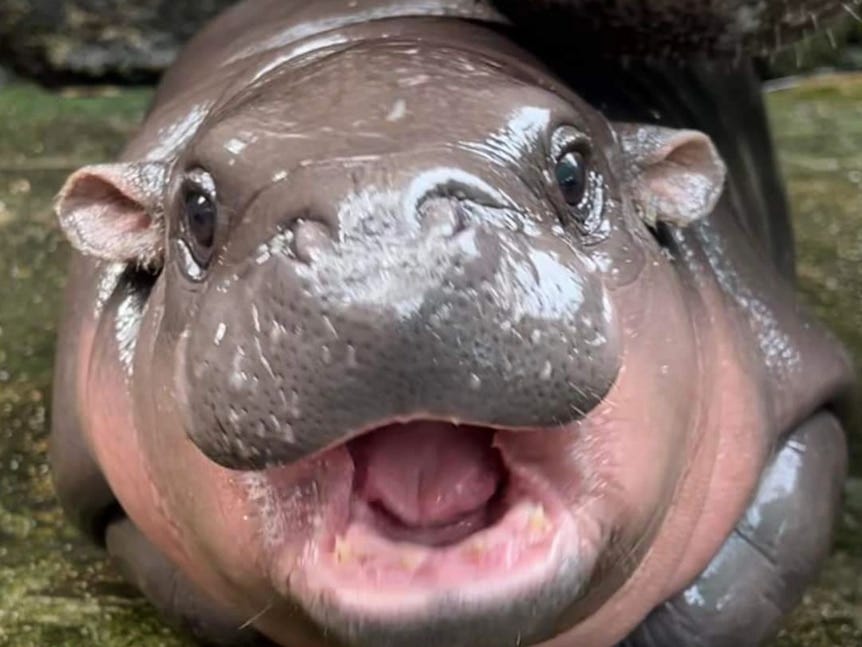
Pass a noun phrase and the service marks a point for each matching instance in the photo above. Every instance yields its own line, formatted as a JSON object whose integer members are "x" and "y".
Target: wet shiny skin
{"x": 378, "y": 261}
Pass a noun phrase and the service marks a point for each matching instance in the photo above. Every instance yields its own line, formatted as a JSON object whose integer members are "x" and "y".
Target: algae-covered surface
{"x": 56, "y": 591}
{"x": 818, "y": 131}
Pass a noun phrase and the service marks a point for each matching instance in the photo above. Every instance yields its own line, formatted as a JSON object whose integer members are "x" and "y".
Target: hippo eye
{"x": 201, "y": 216}
{"x": 571, "y": 175}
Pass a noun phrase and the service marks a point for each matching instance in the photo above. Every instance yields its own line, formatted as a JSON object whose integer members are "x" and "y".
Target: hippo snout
{"x": 455, "y": 310}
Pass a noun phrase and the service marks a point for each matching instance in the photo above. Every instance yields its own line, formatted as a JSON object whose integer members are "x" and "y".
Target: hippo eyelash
{"x": 200, "y": 179}
{"x": 567, "y": 139}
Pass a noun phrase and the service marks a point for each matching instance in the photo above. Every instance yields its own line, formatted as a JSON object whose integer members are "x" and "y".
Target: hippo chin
{"x": 380, "y": 335}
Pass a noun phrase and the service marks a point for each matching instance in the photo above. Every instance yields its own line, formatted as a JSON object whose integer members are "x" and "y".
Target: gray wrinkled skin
{"x": 343, "y": 271}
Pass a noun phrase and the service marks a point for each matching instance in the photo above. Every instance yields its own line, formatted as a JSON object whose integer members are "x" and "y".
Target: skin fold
{"x": 392, "y": 229}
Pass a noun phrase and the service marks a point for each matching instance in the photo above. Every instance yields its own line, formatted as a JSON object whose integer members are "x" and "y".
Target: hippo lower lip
{"x": 436, "y": 507}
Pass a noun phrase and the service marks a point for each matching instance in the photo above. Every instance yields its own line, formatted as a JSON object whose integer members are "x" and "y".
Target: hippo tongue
{"x": 427, "y": 474}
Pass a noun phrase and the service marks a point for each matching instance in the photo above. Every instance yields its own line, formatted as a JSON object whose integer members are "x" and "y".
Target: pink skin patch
{"x": 117, "y": 446}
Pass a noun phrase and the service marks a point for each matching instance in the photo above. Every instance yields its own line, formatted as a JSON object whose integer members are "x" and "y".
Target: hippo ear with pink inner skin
{"x": 115, "y": 212}
{"x": 675, "y": 176}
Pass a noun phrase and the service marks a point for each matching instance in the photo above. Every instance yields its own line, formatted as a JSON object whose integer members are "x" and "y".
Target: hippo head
{"x": 414, "y": 367}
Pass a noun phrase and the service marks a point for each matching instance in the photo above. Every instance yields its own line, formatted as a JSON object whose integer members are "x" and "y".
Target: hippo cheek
{"x": 153, "y": 470}
{"x": 211, "y": 522}
{"x": 696, "y": 472}
{"x": 229, "y": 524}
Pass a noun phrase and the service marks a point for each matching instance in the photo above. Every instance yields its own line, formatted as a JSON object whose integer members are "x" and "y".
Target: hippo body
{"x": 380, "y": 335}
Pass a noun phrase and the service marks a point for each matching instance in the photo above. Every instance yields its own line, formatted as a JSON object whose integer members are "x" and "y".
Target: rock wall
{"x": 133, "y": 41}
{"x": 129, "y": 40}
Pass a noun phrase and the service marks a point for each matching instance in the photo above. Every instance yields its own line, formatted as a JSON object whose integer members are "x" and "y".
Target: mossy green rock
{"x": 61, "y": 39}
{"x": 57, "y": 591}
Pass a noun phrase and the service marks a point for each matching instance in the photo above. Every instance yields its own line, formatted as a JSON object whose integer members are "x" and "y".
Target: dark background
{"x": 132, "y": 41}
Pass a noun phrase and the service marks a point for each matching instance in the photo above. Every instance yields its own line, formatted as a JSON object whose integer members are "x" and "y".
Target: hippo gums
{"x": 378, "y": 334}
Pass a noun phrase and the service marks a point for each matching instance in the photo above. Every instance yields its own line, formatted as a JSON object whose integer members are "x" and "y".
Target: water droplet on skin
{"x": 330, "y": 327}
{"x": 235, "y": 146}
{"x": 398, "y": 111}
{"x": 256, "y": 318}
{"x": 220, "y": 332}
{"x": 547, "y": 370}
{"x": 475, "y": 382}
{"x": 351, "y": 357}
{"x": 237, "y": 380}
{"x": 294, "y": 404}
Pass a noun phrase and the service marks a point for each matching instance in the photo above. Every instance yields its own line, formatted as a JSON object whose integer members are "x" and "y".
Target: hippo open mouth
{"x": 427, "y": 483}
{"x": 419, "y": 510}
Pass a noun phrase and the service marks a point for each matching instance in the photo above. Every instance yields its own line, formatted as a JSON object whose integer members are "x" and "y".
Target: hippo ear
{"x": 676, "y": 176}
{"x": 115, "y": 212}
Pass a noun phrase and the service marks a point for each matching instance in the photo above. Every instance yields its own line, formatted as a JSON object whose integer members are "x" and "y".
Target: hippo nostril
{"x": 443, "y": 215}
{"x": 310, "y": 239}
